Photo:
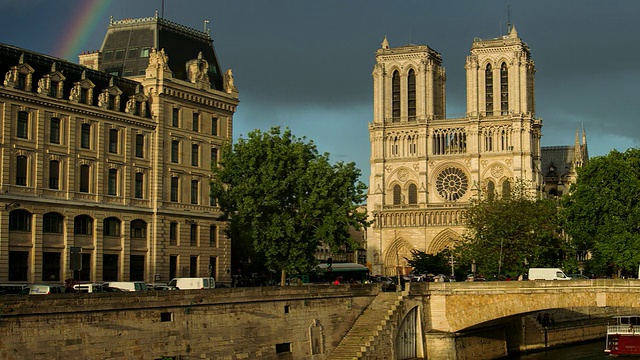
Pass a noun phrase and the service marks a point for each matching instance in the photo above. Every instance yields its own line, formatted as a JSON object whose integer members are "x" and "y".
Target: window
{"x": 84, "y": 96}
{"x": 283, "y": 348}
{"x": 119, "y": 54}
{"x": 213, "y": 236}
{"x": 53, "y": 89}
{"x": 506, "y": 189}
{"x": 112, "y": 187}
{"x": 20, "y": 220}
{"x": 85, "y": 273}
{"x": 84, "y": 178}
{"x": 488, "y": 80}
{"x": 413, "y": 194}
{"x": 411, "y": 95}
{"x": 397, "y": 195}
{"x": 54, "y": 174}
{"x": 504, "y": 89}
{"x": 193, "y": 235}
{"x": 85, "y": 136}
{"x": 214, "y": 157}
{"x": 110, "y": 267}
{"x": 139, "y": 186}
{"x": 138, "y": 229}
{"x": 21, "y": 170}
{"x": 108, "y": 55}
{"x": 132, "y": 53}
{"x": 22, "y": 82}
{"x": 214, "y": 126}
{"x": 51, "y": 266}
{"x": 175, "y": 118}
{"x": 137, "y": 268}
{"x": 195, "y": 149}
{"x": 128, "y": 73}
{"x": 173, "y": 266}
{"x": 395, "y": 91}
{"x": 54, "y": 130}
{"x": 196, "y": 122}
{"x": 174, "y": 189}
{"x": 173, "y": 233}
{"x": 111, "y": 227}
{"x": 52, "y": 223}
{"x": 83, "y": 225}
{"x": 144, "y": 52}
{"x": 113, "y": 141}
{"x": 23, "y": 125}
{"x": 193, "y": 266}
{"x": 140, "y": 145}
{"x": 491, "y": 190}
{"x": 194, "y": 191}
{"x": 18, "y": 265}
{"x": 175, "y": 146}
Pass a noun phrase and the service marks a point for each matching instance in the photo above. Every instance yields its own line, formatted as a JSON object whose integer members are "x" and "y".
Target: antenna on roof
{"x": 206, "y": 22}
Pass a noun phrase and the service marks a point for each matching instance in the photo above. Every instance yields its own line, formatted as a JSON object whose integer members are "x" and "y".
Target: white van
{"x": 88, "y": 288}
{"x": 547, "y": 274}
{"x": 193, "y": 283}
{"x": 127, "y": 285}
{"x": 37, "y": 289}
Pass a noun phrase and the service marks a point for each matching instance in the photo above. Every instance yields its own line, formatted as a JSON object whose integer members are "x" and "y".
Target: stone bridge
{"x": 434, "y": 320}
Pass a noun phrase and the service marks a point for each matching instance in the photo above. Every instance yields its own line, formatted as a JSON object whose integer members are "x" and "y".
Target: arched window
{"x": 20, "y": 220}
{"x": 504, "y": 89}
{"x": 411, "y": 95}
{"x": 395, "y": 93}
{"x": 83, "y": 225}
{"x": 111, "y": 226}
{"x": 491, "y": 190}
{"x": 413, "y": 194}
{"x": 506, "y": 189}
{"x": 138, "y": 229}
{"x": 52, "y": 223}
{"x": 488, "y": 84}
{"x": 397, "y": 195}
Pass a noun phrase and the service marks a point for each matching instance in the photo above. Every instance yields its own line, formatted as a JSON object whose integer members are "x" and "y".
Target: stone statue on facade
{"x": 103, "y": 100}
{"x": 8, "y": 78}
{"x": 130, "y": 107}
{"x": 74, "y": 95}
{"x": 229, "y": 86}
{"x": 42, "y": 86}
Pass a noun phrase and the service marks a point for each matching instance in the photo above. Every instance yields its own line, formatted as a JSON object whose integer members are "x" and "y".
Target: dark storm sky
{"x": 307, "y": 64}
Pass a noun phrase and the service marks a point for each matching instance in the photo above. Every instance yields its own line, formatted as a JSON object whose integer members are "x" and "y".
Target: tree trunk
{"x": 283, "y": 278}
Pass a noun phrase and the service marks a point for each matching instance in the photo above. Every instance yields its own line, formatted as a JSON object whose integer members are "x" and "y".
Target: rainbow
{"x": 83, "y": 22}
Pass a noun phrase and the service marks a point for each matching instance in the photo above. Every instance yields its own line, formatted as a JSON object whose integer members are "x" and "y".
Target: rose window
{"x": 451, "y": 184}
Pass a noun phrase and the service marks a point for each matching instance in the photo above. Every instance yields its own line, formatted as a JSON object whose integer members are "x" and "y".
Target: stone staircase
{"x": 370, "y": 329}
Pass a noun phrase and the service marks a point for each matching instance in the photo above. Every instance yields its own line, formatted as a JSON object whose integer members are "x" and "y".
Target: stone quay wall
{"x": 293, "y": 322}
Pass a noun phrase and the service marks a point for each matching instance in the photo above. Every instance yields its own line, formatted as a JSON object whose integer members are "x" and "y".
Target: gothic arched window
{"x": 504, "y": 89}
{"x": 413, "y": 194}
{"x": 488, "y": 84}
{"x": 491, "y": 190}
{"x": 397, "y": 195}
{"x": 411, "y": 95}
{"x": 506, "y": 189}
{"x": 395, "y": 101}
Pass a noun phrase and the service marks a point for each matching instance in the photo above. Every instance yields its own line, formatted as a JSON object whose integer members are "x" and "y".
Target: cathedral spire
{"x": 385, "y": 43}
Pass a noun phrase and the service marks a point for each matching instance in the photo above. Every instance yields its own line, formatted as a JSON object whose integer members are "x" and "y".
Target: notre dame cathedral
{"x": 425, "y": 168}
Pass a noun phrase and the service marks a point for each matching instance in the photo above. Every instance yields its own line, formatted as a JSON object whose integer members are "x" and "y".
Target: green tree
{"x": 424, "y": 263}
{"x": 507, "y": 235}
{"x": 283, "y": 199}
{"x": 602, "y": 212}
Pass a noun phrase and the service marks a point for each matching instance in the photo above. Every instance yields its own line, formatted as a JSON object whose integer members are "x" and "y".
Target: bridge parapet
{"x": 456, "y": 306}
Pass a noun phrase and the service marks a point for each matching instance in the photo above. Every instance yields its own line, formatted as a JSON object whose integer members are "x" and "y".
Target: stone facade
{"x": 118, "y": 167}
{"x": 425, "y": 168}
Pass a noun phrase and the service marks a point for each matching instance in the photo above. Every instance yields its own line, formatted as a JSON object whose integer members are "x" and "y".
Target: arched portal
{"x": 395, "y": 260}
{"x": 406, "y": 340}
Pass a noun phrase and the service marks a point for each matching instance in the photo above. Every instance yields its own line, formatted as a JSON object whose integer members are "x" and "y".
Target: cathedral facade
{"x": 425, "y": 167}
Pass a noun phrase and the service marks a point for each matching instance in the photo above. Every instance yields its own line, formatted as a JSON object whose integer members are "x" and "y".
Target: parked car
{"x": 578, "y": 277}
{"x": 42, "y": 289}
{"x": 88, "y": 288}
{"x": 11, "y": 289}
{"x": 127, "y": 285}
{"x": 193, "y": 283}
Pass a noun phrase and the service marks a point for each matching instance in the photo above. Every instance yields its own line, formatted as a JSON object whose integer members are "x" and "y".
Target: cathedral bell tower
{"x": 500, "y": 77}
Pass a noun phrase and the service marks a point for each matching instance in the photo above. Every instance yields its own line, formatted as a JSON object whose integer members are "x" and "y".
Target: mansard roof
{"x": 124, "y": 46}
{"x": 42, "y": 64}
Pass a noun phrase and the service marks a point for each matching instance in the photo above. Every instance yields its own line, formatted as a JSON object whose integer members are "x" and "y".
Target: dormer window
{"x": 53, "y": 89}
{"x": 22, "y": 82}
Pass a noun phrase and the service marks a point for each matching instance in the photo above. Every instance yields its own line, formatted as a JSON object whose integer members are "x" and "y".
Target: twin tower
{"x": 425, "y": 167}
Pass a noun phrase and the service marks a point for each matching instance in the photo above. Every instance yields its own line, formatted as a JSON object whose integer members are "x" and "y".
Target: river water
{"x": 585, "y": 351}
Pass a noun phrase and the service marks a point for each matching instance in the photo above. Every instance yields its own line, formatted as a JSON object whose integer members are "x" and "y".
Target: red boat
{"x": 623, "y": 338}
